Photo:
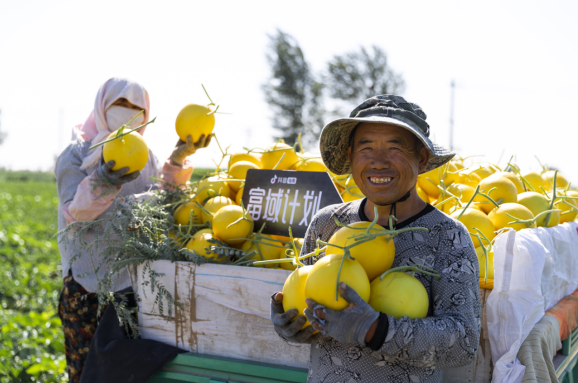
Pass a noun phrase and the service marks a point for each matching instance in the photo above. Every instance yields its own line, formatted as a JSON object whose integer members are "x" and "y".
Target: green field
{"x": 31, "y": 341}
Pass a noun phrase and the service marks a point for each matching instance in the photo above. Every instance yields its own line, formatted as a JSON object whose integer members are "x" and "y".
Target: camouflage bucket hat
{"x": 386, "y": 109}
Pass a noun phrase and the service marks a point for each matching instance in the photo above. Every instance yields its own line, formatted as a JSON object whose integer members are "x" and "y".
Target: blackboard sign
{"x": 286, "y": 198}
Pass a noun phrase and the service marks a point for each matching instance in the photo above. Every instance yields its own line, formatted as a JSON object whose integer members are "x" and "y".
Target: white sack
{"x": 533, "y": 271}
{"x": 560, "y": 280}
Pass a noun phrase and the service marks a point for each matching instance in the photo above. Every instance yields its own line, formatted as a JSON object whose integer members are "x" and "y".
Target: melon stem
{"x": 542, "y": 166}
{"x": 124, "y": 134}
{"x": 529, "y": 222}
{"x": 243, "y": 218}
{"x": 245, "y": 256}
{"x": 280, "y": 159}
{"x": 299, "y": 264}
{"x": 508, "y": 162}
{"x": 567, "y": 197}
{"x": 362, "y": 238}
{"x": 334, "y": 179}
{"x": 545, "y": 192}
{"x": 487, "y": 196}
{"x": 256, "y": 150}
{"x": 553, "y": 198}
{"x": 341, "y": 224}
{"x": 391, "y": 218}
{"x": 243, "y": 259}
{"x": 348, "y": 189}
{"x": 346, "y": 254}
{"x": 374, "y": 222}
{"x": 262, "y": 228}
{"x": 472, "y": 199}
{"x": 258, "y": 238}
{"x": 496, "y": 169}
{"x": 300, "y": 143}
{"x": 217, "y": 140}
{"x": 295, "y": 148}
{"x": 287, "y": 260}
{"x": 483, "y": 235}
{"x": 447, "y": 200}
{"x": 572, "y": 207}
{"x": 442, "y": 180}
{"x": 213, "y": 111}
{"x": 209, "y": 97}
{"x": 433, "y": 183}
{"x": 450, "y": 193}
{"x": 484, "y": 250}
{"x": 472, "y": 156}
{"x": 203, "y": 208}
{"x": 524, "y": 181}
{"x": 259, "y": 252}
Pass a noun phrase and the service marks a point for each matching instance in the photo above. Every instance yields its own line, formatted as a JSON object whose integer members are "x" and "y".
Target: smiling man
{"x": 385, "y": 144}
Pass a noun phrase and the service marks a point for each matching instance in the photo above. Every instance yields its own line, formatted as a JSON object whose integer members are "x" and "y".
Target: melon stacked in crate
{"x": 489, "y": 200}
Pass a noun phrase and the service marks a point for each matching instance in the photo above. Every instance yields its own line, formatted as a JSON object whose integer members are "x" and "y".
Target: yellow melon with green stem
{"x": 129, "y": 151}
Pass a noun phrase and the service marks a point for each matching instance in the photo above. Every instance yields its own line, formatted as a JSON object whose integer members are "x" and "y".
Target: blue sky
{"x": 515, "y": 65}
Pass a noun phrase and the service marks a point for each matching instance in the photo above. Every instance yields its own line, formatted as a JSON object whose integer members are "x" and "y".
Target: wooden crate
{"x": 226, "y": 312}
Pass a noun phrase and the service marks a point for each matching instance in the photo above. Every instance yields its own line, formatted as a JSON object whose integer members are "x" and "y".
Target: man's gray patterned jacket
{"x": 413, "y": 350}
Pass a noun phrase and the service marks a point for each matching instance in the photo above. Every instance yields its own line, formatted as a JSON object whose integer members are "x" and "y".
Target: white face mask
{"x": 117, "y": 116}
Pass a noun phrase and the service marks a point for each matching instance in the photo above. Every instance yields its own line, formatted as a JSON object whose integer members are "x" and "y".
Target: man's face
{"x": 384, "y": 161}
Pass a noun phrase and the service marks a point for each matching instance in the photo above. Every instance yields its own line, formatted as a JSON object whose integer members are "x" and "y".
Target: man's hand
{"x": 350, "y": 325}
{"x": 290, "y": 331}
{"x": 117, "y": 177}
{"x": 184, "y": 149}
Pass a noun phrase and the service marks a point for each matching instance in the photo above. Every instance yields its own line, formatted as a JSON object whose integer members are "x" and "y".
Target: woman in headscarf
{"x": 78, "y": 170}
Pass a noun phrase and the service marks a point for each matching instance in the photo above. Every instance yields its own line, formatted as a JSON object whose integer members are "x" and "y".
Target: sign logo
{"x": 283, "y": 180}
{"x": 287, "y": 204}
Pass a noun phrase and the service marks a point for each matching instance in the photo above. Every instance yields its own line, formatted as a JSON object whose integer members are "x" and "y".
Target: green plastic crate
{"x": 570, "y": 374}
{"x": 191, "y": 367}
{"x": 567, "y": 372}
{"x": 570, "y": 343}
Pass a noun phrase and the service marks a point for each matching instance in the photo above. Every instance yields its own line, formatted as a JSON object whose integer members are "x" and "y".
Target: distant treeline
{"x": 25, "y": 176}
{"x": 31, "y": 176}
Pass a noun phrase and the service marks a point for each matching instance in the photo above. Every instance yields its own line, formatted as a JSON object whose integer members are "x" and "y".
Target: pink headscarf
{"x": 95, "y": 128}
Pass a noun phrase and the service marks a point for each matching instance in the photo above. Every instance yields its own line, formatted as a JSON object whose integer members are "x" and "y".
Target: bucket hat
{"x": 387, "y": 109}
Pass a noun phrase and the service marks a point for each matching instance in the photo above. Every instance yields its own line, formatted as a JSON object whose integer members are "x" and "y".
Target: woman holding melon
{"x": 89, "y": 179}
{"x": 385, "y": 144}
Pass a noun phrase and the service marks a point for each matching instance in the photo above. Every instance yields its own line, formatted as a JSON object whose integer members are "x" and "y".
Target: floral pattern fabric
{"x": 78, "y": 310}
{"x": 415, "y": 350}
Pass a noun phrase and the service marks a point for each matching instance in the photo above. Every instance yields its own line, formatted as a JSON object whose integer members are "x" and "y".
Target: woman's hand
{"x": 115, "y": 177}
{"x": 185, "y": 149}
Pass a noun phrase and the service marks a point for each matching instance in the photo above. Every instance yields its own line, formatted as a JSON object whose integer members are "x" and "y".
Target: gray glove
{"x": 117, "y": 177}
{"x": 349, "y": 325}
{"x": 184, "y": 149}
{"x": 290, "y": 331}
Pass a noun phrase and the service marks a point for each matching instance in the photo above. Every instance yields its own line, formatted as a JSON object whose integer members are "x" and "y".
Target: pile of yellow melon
{"x": 504, "y": 200}
{"x": 360, "y": 255}
{"x": 215, "y": 205}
